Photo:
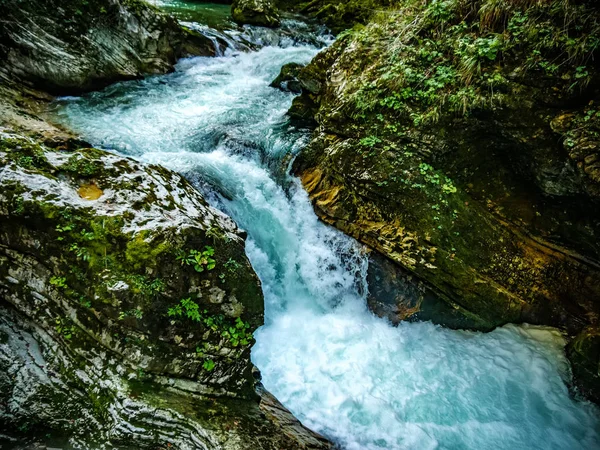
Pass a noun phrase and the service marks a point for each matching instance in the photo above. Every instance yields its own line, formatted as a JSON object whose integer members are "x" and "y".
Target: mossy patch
{"x": 24, "y": 153}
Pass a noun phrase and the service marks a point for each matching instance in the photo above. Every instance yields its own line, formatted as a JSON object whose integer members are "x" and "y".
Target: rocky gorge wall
{"x": 459, "y": 139}
{"x": 127, "y": 304}
{"x": 128, "y": 307}
{"x": 77, "y": 45}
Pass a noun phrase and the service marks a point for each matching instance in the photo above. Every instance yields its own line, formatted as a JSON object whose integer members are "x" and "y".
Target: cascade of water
{"x": 341, "y": 370}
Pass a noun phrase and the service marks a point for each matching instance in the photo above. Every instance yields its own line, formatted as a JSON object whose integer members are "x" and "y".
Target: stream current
{"x": 341, "y": 370}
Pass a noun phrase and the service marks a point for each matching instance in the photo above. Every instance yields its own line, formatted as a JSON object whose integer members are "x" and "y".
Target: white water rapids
{"x": 342, "y": 371}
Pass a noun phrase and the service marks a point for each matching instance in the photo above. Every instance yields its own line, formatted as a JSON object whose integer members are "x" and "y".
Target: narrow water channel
{"x": 342, "y": 371}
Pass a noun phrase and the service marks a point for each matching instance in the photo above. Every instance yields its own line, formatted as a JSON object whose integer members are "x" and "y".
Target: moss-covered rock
{"x": 584, "y": 353}
{"x": 459, "y": 140}
{"x": 127, "y": 308}
{"x": 338, "y": 15}
{"x": 287, "y": 80}
{"x": 77, "y": 45}
{"x": 255, "y": 12}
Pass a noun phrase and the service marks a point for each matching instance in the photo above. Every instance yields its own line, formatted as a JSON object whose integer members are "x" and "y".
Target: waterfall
{"x": 342, "y": 371}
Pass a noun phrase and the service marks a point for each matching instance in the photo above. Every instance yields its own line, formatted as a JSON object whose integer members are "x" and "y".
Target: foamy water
{"x": 342, "y": 371}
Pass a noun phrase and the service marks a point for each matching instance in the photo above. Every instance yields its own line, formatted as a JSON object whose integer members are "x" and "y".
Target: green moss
{"x": 235, "y": 331}
{"x": 83, "y": 165}
{"x": 338, "y": 15}
{"x": 25, "y": 154}
{"x": 119, "y": 284}
{"x": 143, "y": 249}
{"x": 15, "y": 202}
{"x": 434, "y": 122}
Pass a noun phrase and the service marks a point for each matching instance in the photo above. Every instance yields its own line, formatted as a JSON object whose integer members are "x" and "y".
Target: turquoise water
{"x": 342, "y": 371}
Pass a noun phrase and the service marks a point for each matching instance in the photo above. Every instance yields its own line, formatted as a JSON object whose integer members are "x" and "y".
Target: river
{"x": 342, "y": 371}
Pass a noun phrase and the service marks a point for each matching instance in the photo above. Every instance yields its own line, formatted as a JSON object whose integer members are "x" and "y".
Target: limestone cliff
{"x": 77, "y": 45}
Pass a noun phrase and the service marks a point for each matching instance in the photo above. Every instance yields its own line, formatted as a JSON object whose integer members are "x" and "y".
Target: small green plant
{"x": 199, "y": 260}
{"x": 59, "y": 282}
{"x": 581, "y": 72}
{"x": 65, "y": 328}
{"x": 188, "y": 308}
{"x": 208, "y": 365}
{"x": 232, "y": 265}
{"x": 449, "y": 188}
{"x": 590, "y": 114}
{"x": 81, "y": 252}
{"x": 64, "y": 229}
{"x": 145, "y": 285}
{"x": 85, "y": 302}
{"x": 236, "y": 333}
{"x": 216, "y": 234}
{"x": 370, "y": 141}
{"x": 201, "y": 351}
{"x": 25, "y": 161}
{"x": 135, "y": 312}
{"x": 87, "y": 235}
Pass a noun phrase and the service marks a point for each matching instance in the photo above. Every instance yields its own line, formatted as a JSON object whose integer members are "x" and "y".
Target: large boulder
{"x": 72, "y": 46}
{"x": 255, "y": 12}
{"x": 127, "y": 307}
{"x": 465, "y": 150}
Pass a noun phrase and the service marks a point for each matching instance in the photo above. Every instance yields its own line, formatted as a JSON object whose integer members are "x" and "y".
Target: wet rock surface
{"x": 127, "y": 317}
{"x": 127, "y": 303}
{"x": 73, "y": 46}
{"x": 287, "y": 80}
{"x": 255, "y": 12}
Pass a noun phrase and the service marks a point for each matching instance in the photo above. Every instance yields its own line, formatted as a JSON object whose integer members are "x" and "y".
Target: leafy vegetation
{"x": 65, "y": 327}
{"x": 236, "y": 333}
{"x": 420, "y": 68}
{"x": 208, "y": 365}
{"x": 199, "y": 260}
{"x": 24, "y": 154}
{"x": 59, "y": 282}
{"x": 464, "y": 53}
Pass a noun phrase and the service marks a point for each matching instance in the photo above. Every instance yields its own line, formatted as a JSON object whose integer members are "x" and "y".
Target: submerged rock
{"x": 255, "y": 12}
{"x": 126, "y": 316}
{"x": 451, "y": 145}
{"x": 287, "y": 80}
{"x": 73, "y": 46}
